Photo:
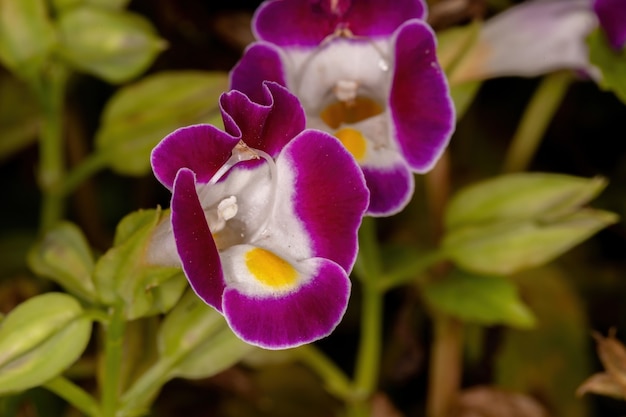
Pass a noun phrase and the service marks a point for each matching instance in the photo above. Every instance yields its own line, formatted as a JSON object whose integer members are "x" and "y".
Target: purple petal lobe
{"x": 421, "y": 108}
{"x": 195, "y": 245}
{"x": 390, "y": 189}
{"x": 306, "y": 23}
{"x": 291, "y": 319}
{"x": 267, "y": 125}
{"x": 260, "y": 62}
{"x": 612, "y": 17}
{"x": 201, "y": 148}
{"x": 330, "y": 194}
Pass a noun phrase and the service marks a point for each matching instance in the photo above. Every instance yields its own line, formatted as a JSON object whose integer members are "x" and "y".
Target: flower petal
{"x": 266, "y": 125}
{"x": 612, "y": 17}
{"x": 195, "y": 245}
{"x": 288, "y": 319}
{"x": 305, "y": 24}
{"x": 391, "y": 189}
{"x": 201, "y": 148}
{"x": 530, "y": 39}
{"x": 260, "y": 62}
{"x": 421, "y": 108}
{"x": 330, "y": 194}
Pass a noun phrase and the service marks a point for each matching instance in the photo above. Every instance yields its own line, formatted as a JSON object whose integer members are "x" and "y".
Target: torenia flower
{"x": 264, "y": 217}
{"x": 365, "y": 71}
{"x": 541, "y": 36}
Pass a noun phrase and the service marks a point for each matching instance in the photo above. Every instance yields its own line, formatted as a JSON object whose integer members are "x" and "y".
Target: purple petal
{"x": 292, "y": 319}
{"x": 390, "y": 189}
{"x": 421, "y": 108}
{"x": 306, "y": 23}
{"x": 380, "y": 18}
{"x": 268, "y": 125}
{"x": 201, "y": 148}
{"x": 194, "y": 242}
{"x": 330, "y": 194}
{"x": 292, "y": 23}
{"x": 260, "y": 62}
{"x": 612, "y": 17}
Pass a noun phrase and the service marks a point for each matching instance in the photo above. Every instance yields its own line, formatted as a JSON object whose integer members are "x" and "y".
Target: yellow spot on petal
{"x": 349, "y": 112}
{"x": 270, "y": 269}
{"x": 353, "y": 141}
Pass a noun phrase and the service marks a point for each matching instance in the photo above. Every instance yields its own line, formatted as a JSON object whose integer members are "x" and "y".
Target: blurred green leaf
{"x": 502, "y": 248}
{"x": 122, "y": 272}
{"x": 611, "y": 63}
{"x": 481, "y": 299}
{"x": 520, "y": 196}
{"x": 19, "y": 118}
{"x": 61, "y": 5}
{"x": 113, "y": 45}
{"x": 453, "y": 43}
{"x": 39, "y": 339}
{"x": 463, "y": 95}
{"x": 142, "y": 114}
{"x": 27, "y": 35}
{"x": 64, "y": 256}
{"x": 198, "y": 340}
{"x": 551, "y": 360}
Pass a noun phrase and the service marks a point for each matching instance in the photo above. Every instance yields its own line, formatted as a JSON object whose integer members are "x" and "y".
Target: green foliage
{"x": 479, "y": 299}
{"x": 64, "y": 256}
{"x": 612, "y": 63}
{"x": 520, "y": 221}
{"x": 19, "y": 118}
{"x": 122, "y": 273}
{"x": 39, "y": 339}
{"x": 27, "y": 36}
{"x": 113, "y": 45}
{"x": 140, "y": 115}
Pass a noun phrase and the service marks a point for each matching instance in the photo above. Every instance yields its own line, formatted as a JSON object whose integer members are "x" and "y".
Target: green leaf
{"x": 39, "y": 339}
{"x": 196, "y": 338}
{"x": 27, "y": 35}
{"x": 463, "y": 95}
{"x": 61, "y": 5}
{"x": 480, "y": 299}
{"x": 502, "y": 248}
{"x": 122, "y": 273}
{"x": 520, "y": 196}
{"x": 140, "y": 115}
{"x": 64, "y": 256}
{"x": 113, "y": 45}
{"x": 611, "y": 63}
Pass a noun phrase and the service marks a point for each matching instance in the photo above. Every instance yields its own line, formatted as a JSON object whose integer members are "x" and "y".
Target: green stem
{"x": 336, "y": 382}
{"x": 536, "y": 119}
{"x": 89, "y": 166}
{"x": 74, "y": 395}
{"x": 445, "y": 366}
{"x": 369, "y": 269}
{"x": 145, "y": 388}
{"x": 112, "y": 361}
{"x": 51, "y": 94}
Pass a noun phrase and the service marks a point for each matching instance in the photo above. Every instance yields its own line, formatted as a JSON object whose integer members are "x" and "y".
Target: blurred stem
{"x": 536, "y": 118}
{"x": 369, "y": 269}
{"x": 112, "y": 361}
{"x": 50, "y": 89}
{"x": 445, "y": 366}
{"x": 94, "y": 163}
{"x": 411, "y": 270}
{"x": 145, "y": 388}
{"x": 74, "y": 395}
{"x": 334, "y": 379}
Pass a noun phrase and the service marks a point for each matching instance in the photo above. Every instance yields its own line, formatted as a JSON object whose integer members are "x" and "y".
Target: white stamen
{"x": 345, "y": 90}
{"x": 227, "y": 208}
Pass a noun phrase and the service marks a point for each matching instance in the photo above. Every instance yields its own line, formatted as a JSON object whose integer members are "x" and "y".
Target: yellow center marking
{"x": 270, "y": 269}
{"x": 348, "y": 112}
{"x": 353, "y": 141}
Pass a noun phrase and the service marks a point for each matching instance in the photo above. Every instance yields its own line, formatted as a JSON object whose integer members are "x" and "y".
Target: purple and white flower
{"x": 365, "y": 71}
{"x": 264, "y": 217}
